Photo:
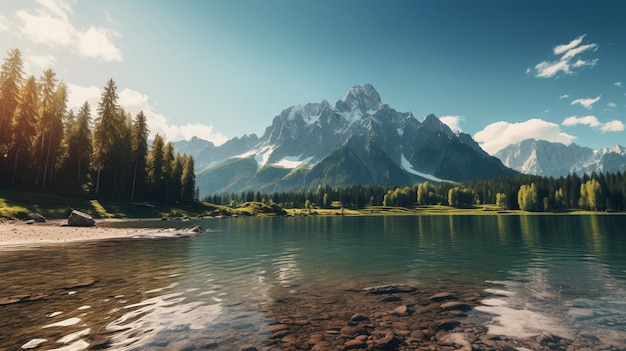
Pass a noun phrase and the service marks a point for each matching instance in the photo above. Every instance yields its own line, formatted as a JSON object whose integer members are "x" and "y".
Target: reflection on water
{"x": 564, "y": 274}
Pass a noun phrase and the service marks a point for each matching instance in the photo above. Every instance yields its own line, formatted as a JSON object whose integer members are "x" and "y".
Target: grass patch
{"x": 18, "y": 204}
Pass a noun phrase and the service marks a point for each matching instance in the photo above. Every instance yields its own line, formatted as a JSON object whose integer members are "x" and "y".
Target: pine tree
{"x": 56, "y": 112}
{"x": 154, "y": 167}
{"x": 11, "y": 80}
{"x": 106, "y": 131}
{"x": 79, "y": 143}
{"x": 188, "y": 179}
{"x": 47, "y": 85}
{"x": 168, "y": 170}
{"x": 23, "y": 127}
{"x": 140, "y": 153}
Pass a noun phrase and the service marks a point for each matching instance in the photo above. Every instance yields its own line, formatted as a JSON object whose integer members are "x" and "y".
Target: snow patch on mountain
{"x": 406, "y": 165}
{"x": 261, "y": 155}
{"x": 308, "y": 113}
{"x": 292, "y": 162}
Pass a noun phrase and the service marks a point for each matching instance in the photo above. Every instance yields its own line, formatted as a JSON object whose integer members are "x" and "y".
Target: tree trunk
{"x": 45, "y": 168}
{"x": 132, "y": 192}
{"x": 17, "y": 152}
{"x": 98, "y": 181}
{"x": 78, "y": 171}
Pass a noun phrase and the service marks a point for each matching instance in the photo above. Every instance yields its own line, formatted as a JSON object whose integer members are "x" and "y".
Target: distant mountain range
{"x": 546, "y": 158}
{"x": 358, "y": 141}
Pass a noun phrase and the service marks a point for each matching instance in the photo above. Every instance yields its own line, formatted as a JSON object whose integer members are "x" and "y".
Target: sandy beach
{"x": 17, "y": 233}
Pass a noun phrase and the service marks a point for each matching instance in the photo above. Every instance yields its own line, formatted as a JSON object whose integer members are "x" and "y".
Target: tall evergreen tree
{"x": 168, "y": 170}
{"x": 188, "y": 179}
{"x": 79, "y": 143}
{"x": 57, "y": 109}
{"x": 23, "y": 127}
{"x": 154, "y": 167}
{"x": 106, "y": 132}
{"x": 140, "y": 153}
{"x": 11, "y": 80}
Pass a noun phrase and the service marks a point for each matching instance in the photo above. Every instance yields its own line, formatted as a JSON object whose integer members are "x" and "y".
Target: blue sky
{"x": 501, "y": 71}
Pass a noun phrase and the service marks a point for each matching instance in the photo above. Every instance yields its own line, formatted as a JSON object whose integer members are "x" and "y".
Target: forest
{"x": 595, "y": 192}
{"x": 46, "y": 147}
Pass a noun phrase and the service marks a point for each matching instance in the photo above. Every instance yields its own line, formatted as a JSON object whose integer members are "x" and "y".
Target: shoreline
{"x": 20, "y": 234}
{"x": 16, "y": 233}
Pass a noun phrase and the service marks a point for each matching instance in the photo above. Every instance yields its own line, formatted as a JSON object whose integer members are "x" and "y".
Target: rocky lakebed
{"x": 389, "y": 317}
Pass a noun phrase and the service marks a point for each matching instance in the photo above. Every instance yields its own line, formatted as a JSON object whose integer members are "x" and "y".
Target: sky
{"x": 501, "y": 71}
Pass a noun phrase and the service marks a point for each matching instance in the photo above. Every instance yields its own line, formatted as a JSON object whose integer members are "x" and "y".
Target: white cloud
{"x": 611, "y": 105}
{"x": 591, "y": 121}
{"x": 453, "y": 122}
{"x": 613, "y": 126}
{"x": 46, "y": 29}
{"x": 50, "y": 25}
{"x": 98, "y": 43}
{"x": 498, "y": 135}
{"x": 618, "y": 84}
{"x": 559, "y": 49}
{"x": 58, "y": 7}
{"x": 134, "y": 102}
{"x": 565, "y": 96}
{"x": 586, "y": 103}
{"x": 577, "y": 50}
{"x": 548, "y": 68}
{"x": 3, "y": 24}
{"x": 77, "y": 95}
{"x": 582, "y": 63}
{"x": 43, "y": 61}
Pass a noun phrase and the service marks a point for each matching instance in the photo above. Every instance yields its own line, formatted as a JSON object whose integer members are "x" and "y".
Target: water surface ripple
{"x": 560, "y": 274}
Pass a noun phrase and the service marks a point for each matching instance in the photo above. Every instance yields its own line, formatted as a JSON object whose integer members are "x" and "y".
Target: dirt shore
{"x": 17, "y": 233}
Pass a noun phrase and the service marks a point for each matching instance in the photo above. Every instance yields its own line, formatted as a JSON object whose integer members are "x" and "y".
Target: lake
{"x": 560, "y": 276}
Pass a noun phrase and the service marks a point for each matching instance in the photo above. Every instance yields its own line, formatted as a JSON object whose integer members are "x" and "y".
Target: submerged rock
{"x": 443, "y": 296}
{"x": 80, "y": 219}
{"x": 197, "y": 229}
{"x": 455, "y": 305}
{"x": 389, "y": 289}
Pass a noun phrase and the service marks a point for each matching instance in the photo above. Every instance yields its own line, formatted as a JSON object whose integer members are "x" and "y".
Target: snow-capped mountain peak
{"x": 361, "y": 99}
{"x": 546, "y": 158}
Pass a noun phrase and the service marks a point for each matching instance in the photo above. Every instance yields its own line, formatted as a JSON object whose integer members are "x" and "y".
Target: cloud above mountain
{"x": 453, "y": 122}
{"x": 498, "y": 135}
{"x": 593, "y": 122}
{"x": 566, "y": 63}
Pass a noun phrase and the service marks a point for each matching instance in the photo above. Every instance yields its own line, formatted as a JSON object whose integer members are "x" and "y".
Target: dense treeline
{"x": 44, "y": 146}
{"x": 356, "y": 196}
{"x": 595, "y": 192}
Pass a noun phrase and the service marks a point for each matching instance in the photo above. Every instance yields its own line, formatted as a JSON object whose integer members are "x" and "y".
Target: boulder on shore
{"x": 80, "y": 219}
{"x": 37, "y": 217}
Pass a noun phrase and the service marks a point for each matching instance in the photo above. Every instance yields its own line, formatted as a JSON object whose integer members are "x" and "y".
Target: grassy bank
{"x": 18, "y": 204}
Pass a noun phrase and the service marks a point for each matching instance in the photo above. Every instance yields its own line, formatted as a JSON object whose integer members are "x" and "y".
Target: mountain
{"x": 359, "y": 140}
{"x": 205, "y": 152}
{"x": 546, "y": 158}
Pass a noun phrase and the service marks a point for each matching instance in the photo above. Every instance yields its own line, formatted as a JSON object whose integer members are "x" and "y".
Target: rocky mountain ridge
{"x": 552, "y": 159}
{"x": 360, "y": 140}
